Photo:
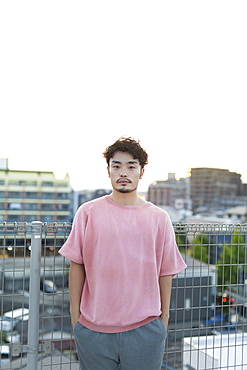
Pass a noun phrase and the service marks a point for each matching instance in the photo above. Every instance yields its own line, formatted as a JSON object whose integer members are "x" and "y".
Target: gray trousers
{"x": 138, "y": 349}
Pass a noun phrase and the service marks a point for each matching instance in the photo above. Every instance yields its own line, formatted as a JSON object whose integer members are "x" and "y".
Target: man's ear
{"x": 141, "y": 173}
{"x": 108, "y": 170}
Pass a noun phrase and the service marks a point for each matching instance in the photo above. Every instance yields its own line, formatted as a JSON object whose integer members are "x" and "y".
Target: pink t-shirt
{"x": 124, "y": 250}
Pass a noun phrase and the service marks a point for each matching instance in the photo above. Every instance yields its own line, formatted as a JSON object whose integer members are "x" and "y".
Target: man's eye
{"x": 132, "y": 167}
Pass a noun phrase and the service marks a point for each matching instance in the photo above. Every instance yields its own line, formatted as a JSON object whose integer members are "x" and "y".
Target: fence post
{"x": 34, "y": 295}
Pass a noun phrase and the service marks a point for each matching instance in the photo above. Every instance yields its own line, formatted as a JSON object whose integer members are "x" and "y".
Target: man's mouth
{"x": 123, "y": 181}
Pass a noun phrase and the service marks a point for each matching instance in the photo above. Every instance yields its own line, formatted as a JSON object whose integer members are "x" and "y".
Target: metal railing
{"x": 208, "y": 315}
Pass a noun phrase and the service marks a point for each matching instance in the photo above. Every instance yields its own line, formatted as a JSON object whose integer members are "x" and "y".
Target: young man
{"x": 123, "y": 256}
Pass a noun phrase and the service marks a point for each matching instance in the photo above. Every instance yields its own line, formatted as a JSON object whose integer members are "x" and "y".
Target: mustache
{"x": 123, "y": 179}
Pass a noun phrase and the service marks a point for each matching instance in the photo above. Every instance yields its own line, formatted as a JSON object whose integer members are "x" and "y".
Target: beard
{"x": 125, "y": 190}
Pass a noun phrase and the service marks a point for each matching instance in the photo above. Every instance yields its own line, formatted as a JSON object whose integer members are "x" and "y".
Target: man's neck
{"x": 127, "y": 199}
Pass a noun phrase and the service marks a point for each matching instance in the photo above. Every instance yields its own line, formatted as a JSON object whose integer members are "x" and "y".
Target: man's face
{"x": 124, "y": 172}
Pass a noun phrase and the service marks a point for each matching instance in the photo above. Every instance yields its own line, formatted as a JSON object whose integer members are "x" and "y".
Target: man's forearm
{"x": 76, "y": 281}
{"x": 165, "y": 283}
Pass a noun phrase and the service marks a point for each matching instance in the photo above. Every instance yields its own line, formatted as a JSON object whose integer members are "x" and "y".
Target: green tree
{"x": 224, "y": 267}
{"x": 200, "y": 249}
{"x": 3, "y": 337}
{"x": 181, "y": 238}
{"x": 233, "y": 256}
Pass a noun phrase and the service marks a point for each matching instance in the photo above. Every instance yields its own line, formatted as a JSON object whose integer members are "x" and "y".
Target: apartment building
{"x": 171, "y": 192}
{"x": 34, "y": 196}
{"x": 209, "y": 186}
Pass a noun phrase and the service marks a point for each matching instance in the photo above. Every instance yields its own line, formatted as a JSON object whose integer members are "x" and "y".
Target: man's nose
{"x": 123, "y": 172}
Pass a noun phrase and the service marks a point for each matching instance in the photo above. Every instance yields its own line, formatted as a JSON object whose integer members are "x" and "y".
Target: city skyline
{"x": 75, "y": 78}
{"x": 107, "y": 184}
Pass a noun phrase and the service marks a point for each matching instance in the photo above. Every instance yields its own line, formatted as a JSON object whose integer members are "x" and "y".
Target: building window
{"x": 47, "y": 207}
{"x": 47, "y": 195}
{"x": 31, "y": 206}
{"x": 62, "y": 219}
{"x": 47, "y": 184}
{"x": 15, "y": 194}
{"x": 63, "y": 207}
{"x": 62, "y": 195}
{"x": 15, "y": 206}
{"x": 14, "y": 218}
{"x": 30, "y": 218}
{"x": 31, "y": 195}
{"x": 47, "y": 218}
{"x": 2, "y": 194}
{"x": 17, "y": 183}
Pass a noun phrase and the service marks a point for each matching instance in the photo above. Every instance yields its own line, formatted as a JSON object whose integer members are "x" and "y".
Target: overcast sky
{"x": 77, "y": 75}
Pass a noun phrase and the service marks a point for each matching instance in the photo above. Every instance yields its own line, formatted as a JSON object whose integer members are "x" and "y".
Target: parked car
{"x": 47, "y": 286}
{"x": 5, "y": 355}
{"x": 11, "y": 318}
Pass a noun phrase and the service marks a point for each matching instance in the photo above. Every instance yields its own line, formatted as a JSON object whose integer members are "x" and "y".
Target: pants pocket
{"x": 162, "y": 324}
{"x": 75, "y": 326}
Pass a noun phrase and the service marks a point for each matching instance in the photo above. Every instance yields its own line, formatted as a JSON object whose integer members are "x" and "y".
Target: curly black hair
{"x": 129, "y": 145}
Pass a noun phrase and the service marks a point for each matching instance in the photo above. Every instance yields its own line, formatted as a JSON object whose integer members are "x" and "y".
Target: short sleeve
{"x": 73, "y": 247}
{"x": 172, "y": 262}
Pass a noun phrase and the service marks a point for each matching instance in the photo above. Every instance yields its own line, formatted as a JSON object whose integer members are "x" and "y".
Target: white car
{"x": 11, "y": 318}
{"x": 5, "y": 355}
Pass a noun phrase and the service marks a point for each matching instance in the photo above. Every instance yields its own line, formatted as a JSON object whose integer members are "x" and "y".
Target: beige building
{"x": 210, "y": 185}
{"x": 34, "y": 196}
{"x": 171, "y": 192}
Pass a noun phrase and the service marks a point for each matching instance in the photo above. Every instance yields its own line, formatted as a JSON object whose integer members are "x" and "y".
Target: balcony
{"x": 208, "y": 315}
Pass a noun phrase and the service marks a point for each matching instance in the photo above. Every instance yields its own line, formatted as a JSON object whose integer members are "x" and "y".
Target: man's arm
{"x": 165, "y": 283}
{"x": 76, "y": 281}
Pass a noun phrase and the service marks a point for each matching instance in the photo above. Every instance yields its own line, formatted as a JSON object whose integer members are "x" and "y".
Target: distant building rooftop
{"x": 215, "y": 352}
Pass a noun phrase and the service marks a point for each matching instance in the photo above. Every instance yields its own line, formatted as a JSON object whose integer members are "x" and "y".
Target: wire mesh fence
{"x": 208, "y": 315}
